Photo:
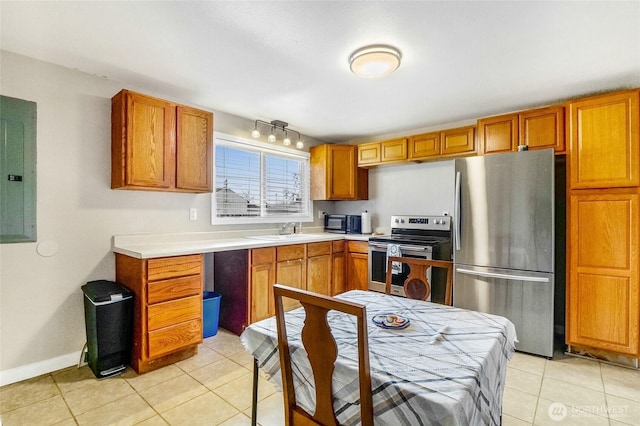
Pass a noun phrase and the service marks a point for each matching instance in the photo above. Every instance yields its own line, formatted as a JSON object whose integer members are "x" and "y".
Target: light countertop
{"x": 163, "y": 245}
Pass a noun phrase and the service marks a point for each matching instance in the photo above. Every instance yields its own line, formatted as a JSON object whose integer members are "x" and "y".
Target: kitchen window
{"x": 258, "y": 183}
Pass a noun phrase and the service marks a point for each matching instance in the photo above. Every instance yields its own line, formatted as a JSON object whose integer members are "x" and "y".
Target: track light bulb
{"x": 255, "y": 134}
{"x": 271, "y": 138}
{"x": 299, "y": 145}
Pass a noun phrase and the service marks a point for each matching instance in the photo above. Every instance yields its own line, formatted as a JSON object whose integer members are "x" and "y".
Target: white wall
{"x": 41, "y": 306}
{"x": 407, "y": 189}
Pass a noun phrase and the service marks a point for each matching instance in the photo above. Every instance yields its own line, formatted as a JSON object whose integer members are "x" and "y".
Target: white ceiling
{"x": 288, "y": 60}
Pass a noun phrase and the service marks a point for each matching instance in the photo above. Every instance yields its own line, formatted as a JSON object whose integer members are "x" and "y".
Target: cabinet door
{"x": 369, "y": 153}
{"x": 424, "y": 146}
{"x": 393, "y": 150}
{"x": 498, "y": 134}
{"x": 338, "y": 283}
{"x": 150, "y": 142}
{"x": 262, "y": 279}
{"x": 291, "y": 273}
{"x": 603, "y": 280}
{"x": 603, "y": 141}
{"x": 458, "y": 141}
{"x": 319, "y": 274}
{"x": 341, "y": 171}
{"x": 194, "y": 149}
{"x": 542, "y": 128}
{"x": 357, "y": 265}
{"x": 358, "y": 271}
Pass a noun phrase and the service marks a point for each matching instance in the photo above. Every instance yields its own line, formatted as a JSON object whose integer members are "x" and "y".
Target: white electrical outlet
{"x": 321, "y": 214}
{"x": 193, "y": 214}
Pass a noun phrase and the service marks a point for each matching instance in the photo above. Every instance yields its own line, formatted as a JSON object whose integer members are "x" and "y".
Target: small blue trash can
{"x": 210, "y": 313}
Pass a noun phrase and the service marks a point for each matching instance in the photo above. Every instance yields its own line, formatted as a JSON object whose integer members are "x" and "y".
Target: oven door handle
{"x": 378, "y": 245}
{"x": 401, "y": 246}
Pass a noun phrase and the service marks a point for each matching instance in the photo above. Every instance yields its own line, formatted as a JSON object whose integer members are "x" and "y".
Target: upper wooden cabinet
{"x": 458, "y": 141}
{"x": 369, "y": 154}
{"x": 450, "y": 142}
{"x": 335, "y": 174}
{"x": 377, "y": 153}
{"x": 424, "y": 146}
{"x": 158, "y": 145}
{"x": 194, "y": 150}
{"x": 603, "y": 141}
{"x": 542, "y": 128}
{"x": 498, "y": 134}
{"x": 538, "y": 128}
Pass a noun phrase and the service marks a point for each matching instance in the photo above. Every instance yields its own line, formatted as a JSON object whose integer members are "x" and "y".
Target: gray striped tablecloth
{"x": 419, "y": 376}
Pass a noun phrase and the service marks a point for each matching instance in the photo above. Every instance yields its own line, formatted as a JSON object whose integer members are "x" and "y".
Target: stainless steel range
{"x": 423, "y": 237}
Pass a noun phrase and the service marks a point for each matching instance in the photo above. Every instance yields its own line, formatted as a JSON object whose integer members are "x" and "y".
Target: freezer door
{"x": 525, "y": 298}
{"x": 504, "y": 210}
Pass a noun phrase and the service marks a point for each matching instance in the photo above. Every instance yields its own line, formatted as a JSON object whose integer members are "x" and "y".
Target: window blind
{"x": 259, "y": 184}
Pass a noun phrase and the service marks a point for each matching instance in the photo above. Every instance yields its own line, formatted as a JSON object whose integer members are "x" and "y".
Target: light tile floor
{"x": 214, "y": 388}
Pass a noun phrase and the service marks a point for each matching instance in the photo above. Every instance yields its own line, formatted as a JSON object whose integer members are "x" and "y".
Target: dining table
{"x": 447, "y": 366}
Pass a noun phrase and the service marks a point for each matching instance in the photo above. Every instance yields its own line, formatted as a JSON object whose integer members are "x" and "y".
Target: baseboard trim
{"x": 36, "y": 369}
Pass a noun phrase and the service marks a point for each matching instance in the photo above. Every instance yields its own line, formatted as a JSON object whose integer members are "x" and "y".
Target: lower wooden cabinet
{"x": 603, "y": 289}
{"x": 319, "y": 267}
{"x": 245, "y": 278}
{"x": 167, "y": 308}
{"x": 338, "y": 268}
{"x": 357, "y": 265}
{"x": 291, "y": 269}
{"x": 262, "y": 277}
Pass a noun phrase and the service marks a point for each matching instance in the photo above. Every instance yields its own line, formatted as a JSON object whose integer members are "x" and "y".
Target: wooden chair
{"x": 416, "y": 286}
{"x": 322, "y": 351}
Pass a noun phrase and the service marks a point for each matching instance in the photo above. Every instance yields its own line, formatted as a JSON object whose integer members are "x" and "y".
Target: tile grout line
{"x": 73, "y": 417}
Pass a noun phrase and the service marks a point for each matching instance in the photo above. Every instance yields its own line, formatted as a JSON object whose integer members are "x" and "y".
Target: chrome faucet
{"x": 285, "y": 227}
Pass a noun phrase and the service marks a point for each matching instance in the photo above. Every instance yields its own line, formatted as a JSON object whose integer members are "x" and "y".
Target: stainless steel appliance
{"x": 343, "y": 223}
{"x": 504, "y": 242}
{"x": 423, "y": 237}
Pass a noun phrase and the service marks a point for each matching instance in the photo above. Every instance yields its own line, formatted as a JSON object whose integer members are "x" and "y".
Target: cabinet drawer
{"x": 318, "y": 249}
{"x": 171, "y": 267}
{"x": 338, "y": 246}
{"x": 161, "y": 291}
{"x": 174, "y": 338}
{"x": 294, "y": 251}
{"x": 358, "y": 247}
{"x": 169, "y": 313}
{"x": 263, "y": 255}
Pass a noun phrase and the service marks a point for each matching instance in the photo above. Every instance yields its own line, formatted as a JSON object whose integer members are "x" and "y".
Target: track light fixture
{"x": 274, "y": 127}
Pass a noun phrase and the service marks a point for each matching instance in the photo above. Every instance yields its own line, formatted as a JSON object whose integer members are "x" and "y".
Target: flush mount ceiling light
{"x": 375, "y": 61}
{"x": 274, "y": 127}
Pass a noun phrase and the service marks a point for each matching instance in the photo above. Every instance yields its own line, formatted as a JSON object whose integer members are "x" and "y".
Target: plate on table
{"x": 392, "y": 321}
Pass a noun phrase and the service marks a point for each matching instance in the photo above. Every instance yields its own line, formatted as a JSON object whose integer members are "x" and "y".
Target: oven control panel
{"x": 421, "y": 222}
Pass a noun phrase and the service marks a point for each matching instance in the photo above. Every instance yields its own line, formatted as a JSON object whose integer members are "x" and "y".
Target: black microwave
{"x": 343, "y": 223}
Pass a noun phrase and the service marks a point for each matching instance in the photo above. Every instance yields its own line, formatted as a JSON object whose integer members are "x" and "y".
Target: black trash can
{"x": 108, "y": 310}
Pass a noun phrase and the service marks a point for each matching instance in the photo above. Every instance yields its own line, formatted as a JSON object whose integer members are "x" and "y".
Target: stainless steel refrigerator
{"x": 504, "y": 242}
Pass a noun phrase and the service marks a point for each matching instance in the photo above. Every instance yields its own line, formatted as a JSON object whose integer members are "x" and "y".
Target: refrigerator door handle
{"x": 456, "y": 212}
{"x": 503, "y": 276}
